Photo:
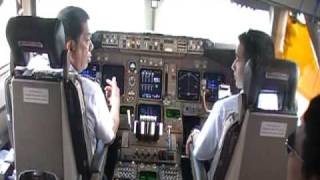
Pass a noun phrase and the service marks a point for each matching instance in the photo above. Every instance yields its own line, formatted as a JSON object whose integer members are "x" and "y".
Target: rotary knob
{"x": 132, "y": 81}
{"x": 132, "y": 66}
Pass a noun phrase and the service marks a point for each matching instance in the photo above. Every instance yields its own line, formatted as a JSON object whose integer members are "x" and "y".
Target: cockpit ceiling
{"x": 255, "y": 4}
{"x": 310, "y": 7}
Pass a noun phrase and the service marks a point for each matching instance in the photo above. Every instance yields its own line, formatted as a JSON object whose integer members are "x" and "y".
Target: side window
{"x": 7, "y": 10}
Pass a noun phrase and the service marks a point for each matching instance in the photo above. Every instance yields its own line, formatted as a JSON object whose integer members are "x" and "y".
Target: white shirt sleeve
{"x": 208, "y": 138}
{"x": 99, "y": 119}
{"x": 207, "y": 141}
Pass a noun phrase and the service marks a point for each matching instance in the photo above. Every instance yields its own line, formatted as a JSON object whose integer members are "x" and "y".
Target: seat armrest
{"x": 96, "y": 176}
{"x": 9, "y": 108}
{"x": 197, "y": 166}
{"x": 99, "y": 158}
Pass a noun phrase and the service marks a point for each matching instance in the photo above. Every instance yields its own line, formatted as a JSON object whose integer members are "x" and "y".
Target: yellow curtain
{"x": 298, "y": 48}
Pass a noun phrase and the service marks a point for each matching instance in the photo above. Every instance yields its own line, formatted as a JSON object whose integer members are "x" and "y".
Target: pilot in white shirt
{"x": 254, "y": 45}
{"x": 99, "y": 120}
{"x": 103, "y": 122}
{"x": 208, "y": 138}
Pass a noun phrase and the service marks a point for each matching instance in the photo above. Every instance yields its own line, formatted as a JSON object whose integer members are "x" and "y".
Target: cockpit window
{"x": 220, "y": 21}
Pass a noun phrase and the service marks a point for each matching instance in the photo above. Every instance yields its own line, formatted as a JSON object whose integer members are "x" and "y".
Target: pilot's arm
{"x": 112, "y": 93}
{"x": 99, "y": 114}
{"x": 206, "y": 141}
{"x": 103, "y": 122}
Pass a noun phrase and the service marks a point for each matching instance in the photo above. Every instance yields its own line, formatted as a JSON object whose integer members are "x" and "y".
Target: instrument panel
{"x": 162, "y": 80}
{"x": 156, "y": 84}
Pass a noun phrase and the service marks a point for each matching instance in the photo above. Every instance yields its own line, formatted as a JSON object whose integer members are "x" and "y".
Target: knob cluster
{"x": 125, "y": 171}
{"x": 167, "y": 172}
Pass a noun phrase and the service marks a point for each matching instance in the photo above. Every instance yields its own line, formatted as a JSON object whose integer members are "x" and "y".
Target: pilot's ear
{"x": 70, "y": 45}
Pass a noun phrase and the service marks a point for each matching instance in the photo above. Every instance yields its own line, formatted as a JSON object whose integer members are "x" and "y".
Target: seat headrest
{"x": 271, "y": 83}
{"x": 27, "y": 34}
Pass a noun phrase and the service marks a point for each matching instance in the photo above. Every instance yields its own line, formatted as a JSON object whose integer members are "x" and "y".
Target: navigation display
{"x": 188, "y": 85}
{"x": 213, "y": 80}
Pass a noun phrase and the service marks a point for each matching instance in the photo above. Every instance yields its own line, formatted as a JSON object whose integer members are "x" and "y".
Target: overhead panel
{"x": 310, "y": 7}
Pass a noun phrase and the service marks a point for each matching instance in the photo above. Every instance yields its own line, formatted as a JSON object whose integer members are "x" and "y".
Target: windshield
{"x": 219, "y": 20}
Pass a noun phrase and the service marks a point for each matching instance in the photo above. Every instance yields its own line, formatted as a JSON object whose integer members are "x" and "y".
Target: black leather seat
{"x": 47, "y": 107}
{"x": 244, "y": 131}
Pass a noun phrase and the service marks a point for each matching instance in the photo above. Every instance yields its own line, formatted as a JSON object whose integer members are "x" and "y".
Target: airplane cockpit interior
{"x": 168, "y": 85}
{"x": 164, "y": 83}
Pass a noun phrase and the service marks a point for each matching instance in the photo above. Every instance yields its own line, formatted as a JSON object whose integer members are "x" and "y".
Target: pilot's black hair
{"x": 311, "y": 144}
{"x": 257, "y": 46}
{"x": 72, "y": 19}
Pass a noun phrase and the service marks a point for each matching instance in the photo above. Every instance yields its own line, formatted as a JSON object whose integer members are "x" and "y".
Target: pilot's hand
{"x": 191, "y": 139}
{"x": 112, "y": 92}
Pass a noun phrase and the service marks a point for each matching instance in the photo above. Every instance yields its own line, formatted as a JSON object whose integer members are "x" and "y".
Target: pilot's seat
{"x": 50, "y": 137}
{"x": 252, "y": 145}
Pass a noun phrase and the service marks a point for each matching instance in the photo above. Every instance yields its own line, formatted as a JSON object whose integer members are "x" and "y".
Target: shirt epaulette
{"x": 91, "y": 78}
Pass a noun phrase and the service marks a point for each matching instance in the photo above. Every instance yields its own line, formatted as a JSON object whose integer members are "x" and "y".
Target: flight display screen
{"x": 124, "y": 109}
{"x": 173, "y": 113}
{"x": 188, "y": 85}
{"x": 213, "y": 80}
{"x": 150, "y": 84}
{"x": 268, "y": 100}
{"x": 150, "y": 110}
{"x": 108, "y": 71}
{"x": 91, "y": 70}
{"x": 147, "y": 175}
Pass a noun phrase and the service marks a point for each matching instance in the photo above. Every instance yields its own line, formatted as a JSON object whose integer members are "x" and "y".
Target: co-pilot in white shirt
{"x": 207, "y": 141}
